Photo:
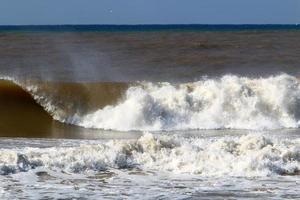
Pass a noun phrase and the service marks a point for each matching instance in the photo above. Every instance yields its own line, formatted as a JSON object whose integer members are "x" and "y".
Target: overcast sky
{"x": 22, "y": 12}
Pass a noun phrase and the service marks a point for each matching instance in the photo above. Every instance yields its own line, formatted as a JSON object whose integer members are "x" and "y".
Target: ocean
{"x": 150, "y": 112}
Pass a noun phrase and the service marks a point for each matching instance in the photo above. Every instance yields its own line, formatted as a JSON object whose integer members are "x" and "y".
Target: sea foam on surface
{"x": 247, "y": 155}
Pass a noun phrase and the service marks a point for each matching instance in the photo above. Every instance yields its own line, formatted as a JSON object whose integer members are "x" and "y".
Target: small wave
{"x": 248, "y": 155}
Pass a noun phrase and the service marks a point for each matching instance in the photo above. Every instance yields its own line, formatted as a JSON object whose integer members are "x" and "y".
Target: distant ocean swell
{"x": 228, "y": 102}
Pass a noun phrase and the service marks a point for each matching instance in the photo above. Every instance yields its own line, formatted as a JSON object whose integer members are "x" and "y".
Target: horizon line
{"x": 173, "y": 24}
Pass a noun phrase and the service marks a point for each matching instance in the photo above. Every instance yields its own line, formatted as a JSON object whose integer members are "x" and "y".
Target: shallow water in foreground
{"x": 170, "y": 165}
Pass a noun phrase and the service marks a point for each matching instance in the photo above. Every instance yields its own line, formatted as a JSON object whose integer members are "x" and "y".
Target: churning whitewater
{"x": 228, "y": 102}
{"x": 248, "y": 155}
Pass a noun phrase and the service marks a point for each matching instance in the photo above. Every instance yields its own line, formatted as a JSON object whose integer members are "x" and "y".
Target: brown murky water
{"x": 22, "y": 116}
{"x": 153, "y": 56}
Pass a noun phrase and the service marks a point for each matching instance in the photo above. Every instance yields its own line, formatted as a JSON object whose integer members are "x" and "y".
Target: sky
{"x": 36, "y": 12}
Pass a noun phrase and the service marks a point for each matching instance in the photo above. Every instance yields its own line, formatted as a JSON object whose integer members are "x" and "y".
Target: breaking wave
{"x": 228, "y": 102}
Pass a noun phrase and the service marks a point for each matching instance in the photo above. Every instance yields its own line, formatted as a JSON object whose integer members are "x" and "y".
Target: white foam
{"x": 249, "y": 155}
{"x": 229, "y": 102}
